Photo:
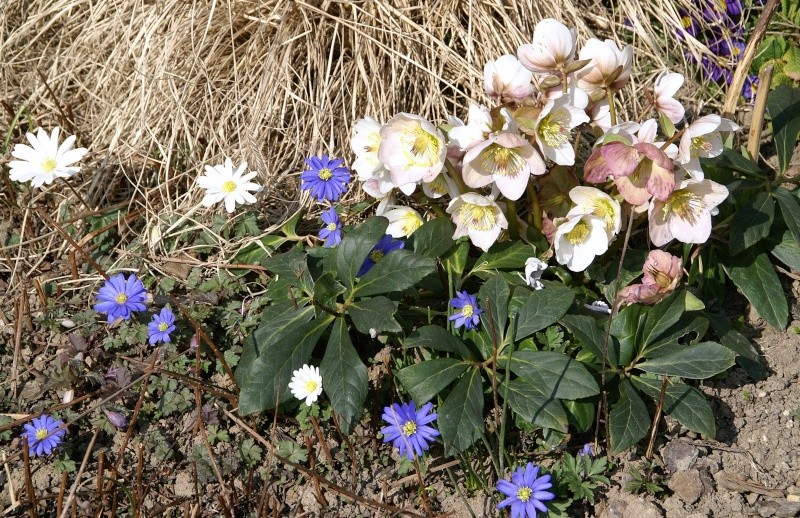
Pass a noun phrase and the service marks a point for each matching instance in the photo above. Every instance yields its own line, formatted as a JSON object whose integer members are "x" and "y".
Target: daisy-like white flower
{"x": 609, "y": 68}
{"x": 120, "y": 297}
{"x": 702, "y": 139}
{"x": 222, "y": 182}
{"x": 554, "y": 127}
{"x": 412, "y": 149}
{"x": 553, "y": 47}
{"x": 589, "y": 200}
{"x": 686, "y": 214}
{"x": 409, "y": 429}
{"x": 332, "y": 231}
{"x": 507, "y": 80}
{"x": 161, "y": 326}
{"x": 44, "y": 160}
{"x": 534, "y": 267}
{"x": 43, "y": 435}
{"x": 306, "y": 384}
{"x": 666, "y": 85}
{"x": 468, "y": 310}
{"x": 506, "y": 159}
{"x": 578, "y": 240}
{"x": 326, "y": 178}
{"x": 384, "y": 247}
{"x": 526, "y": 493}
{"x": 403, "y": 221}
{"x": 478, "y": 217}
{"x": 365, "y": 143}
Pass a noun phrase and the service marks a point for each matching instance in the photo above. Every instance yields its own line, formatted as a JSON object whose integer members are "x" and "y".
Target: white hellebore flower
{"x": 306, "y": 384}
{"x": 686, "y": 214}
{"x": 44, "y": 160}
{"x": 475, "y": 131}
{"x": 506, "y": 159}
{"x": 578, "y": 240}
{"x": 610, "y": 67}
{"x": 590, "y": 200}
{"x": 534, "y": 267}
{"x": 478, "y": 217}
{"x": 440, "y": 186}
{"x": 403, "y": 221}
{"x": 702, "y": 139}
{"x": 222, "y": 182}
{"x": 412, "y": 149}
{"x": 507, "y": 80}
{"x": 365, "y": 142}
{"x": 553, "y": 128}
{"x": 553, "y": 47}
{"x": 667, "y": 84}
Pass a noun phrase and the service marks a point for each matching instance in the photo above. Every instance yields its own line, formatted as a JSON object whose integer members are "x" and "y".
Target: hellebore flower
{"x": 686, "y": 214}
{"x": 702, "y": 139}
{"x": 409, "y": 429}
{"x": 44, "y": 160}
{"x": 526, "y": 492}
{"x": 589, "y": 200}
{"x": 306, "y": 384}
{"x": 332, "y": 231}
{"x": 469, "y": 313}
{"x": 578, "y": 239}
{"x": 610, "y": 67}
{"x": 440, "y": 186}
{"x": 412, "y": 149}
{"x": 662, "y": 273}
{"x": 653, "y": 176}
{"x": 385, "y": 246}
{"x": 553, "y": 47}
{"x": 365, "y": 143}
{"x": 666, "y": 85}
{"x": 326, "y": 178}
{"x": 507, "y": 80}
{"x": 475, "y": 131}
{"x": 43, "y": 435}
{"x": 534, "y": 268}
{"x": 553, "y": 129}
{"x": 506, "y": 159}
{"x": 161, "y": 326}
{"x": 403, "y": 221}
{"x": 119, "y": 297}
{"x": 478, "y": 217}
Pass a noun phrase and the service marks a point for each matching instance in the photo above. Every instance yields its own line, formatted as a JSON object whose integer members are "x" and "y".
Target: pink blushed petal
{"x": 622, "y": 160}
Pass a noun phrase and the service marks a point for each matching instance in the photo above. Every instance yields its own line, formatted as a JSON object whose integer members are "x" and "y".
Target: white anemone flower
{"x": 553, "y": 47}
{"x": 553, "y": 129}
{"x": 606, "y": 58}
{"x": 44, "y": 160}
{"x": 578, "y": 240}
{"x": 702, "y": 139}
{"x": 412, "y": 149}
{"x": 534, "y": 267}
{"x": 590, "y": 200}
{"x": 222, "y": 182}
{"x": 306, "y": 384}
{"x": 478, "y": 217}
{"x": 403, "y": 221}
{"x": 666, "y": 85}
{"x": 365, "y": 143}
{"x": 506, "y": 159}
{"x": 507, "y": 80}
{"x": 686, "y": 214}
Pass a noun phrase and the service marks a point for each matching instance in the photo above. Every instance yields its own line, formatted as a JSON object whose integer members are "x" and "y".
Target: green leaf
{"x": 668, "y": 340}
{"x": 557, "y": 375}
{"x": 438, "y": 339}
{"x": 355, "y": 247}
{"x": 434, "y": 238}
{"x": 662, "y": 315}
{"x": 327, "y": 289}
{"x": 790, "y": 208}
{"x": 426, "y": 379}
{"x": 787, "y": 250}
{"x": 580, "y": 414}
{"x": 508, "y": 254}
{"x": 628, "y": 420}
{"x": 734, "y": 161}
{"x": 628, "y": 328}
{"x": 697, "y": 362}
{"x": 455, "y": 261}
{"x": 753, "y": 273}
{"x": 259, "y": 250}
{"x": 685, "y": 404}
{"x": 461, "y": 415}
{"x": 269, "y": 376}
{"x": 771, "y": 48}
{"x": 344, "y": 375}
{"x": 291, "y": 266}
{"x": 395, "y": 272}
{"x": 752, "y": 222}
{"x": 543, "y": 308}
{"x": 783, "y": 105}
{"x": 746, "y": 355}
{"x": 592, "y": 337}
{"x": 374, "y": 313}
{"x": 274, "y": 320}
{"x": 533, "y": 405}
{"x": 493, "y": 297}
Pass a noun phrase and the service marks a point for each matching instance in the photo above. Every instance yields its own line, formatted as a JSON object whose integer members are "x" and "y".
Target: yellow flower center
{"x": 524, "y": 493}
{"x": 467, "y": 310}
{"x": 409, "y": 428}
{"x": 438, "y": 185}
{"x": 331, "y": 226}
{"x": 701, "y": 144}
{"x": 477, "y": 217}
{"x": 373, "y": 142}
{"x": 553, "y": 129}
{"x": 578, "y": 234}
{"x": 41, "y": 433}
{"x": 410, "y": 223}
{"x": 163, "y": 326}
{"x": 420, "y": 147}
{"x": 662, "y": 279}
{"x": 376, "y": 256}
{"x": 228, "y": 187}
{"x": 325, "y": 174}
{"x": 49, "y": 165}
{"x": 121, "y": 298}
{"x": 604, "y": 210}
{"x": 686, "y": 21}
{"x": 311, "y": 386}
{"x": 496, "y": 159}
{"x": 684, "y": 204}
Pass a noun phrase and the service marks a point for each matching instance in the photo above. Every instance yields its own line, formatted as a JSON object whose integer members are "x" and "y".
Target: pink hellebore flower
{"x": 662, "y": 273}
{"x": 478, "y": 217}
{"x": 506, "y": 159}
{"x": 553, "y": 47}
{"x": 686, "y": 214}
{"x": 507, "y": 80}
{"x": 610, "y": 67}
{"x": 412, "y": 149}
{"x": 667, "y": 84}
{"x": 702, "y": 139}
{"x": 653, "y": 176}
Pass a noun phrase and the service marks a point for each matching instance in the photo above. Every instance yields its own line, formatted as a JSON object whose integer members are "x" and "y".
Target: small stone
{"x": 793, "y": 498}
{"x": 779, "y": 508}
{"x": 762, "y": 393}
{"x": 789, "y": 424}
{"x": 687, "y": 485}
{"x": 679, "y": 456}
{"x": 786, "y": 412}
{"x": 627, "y": 505}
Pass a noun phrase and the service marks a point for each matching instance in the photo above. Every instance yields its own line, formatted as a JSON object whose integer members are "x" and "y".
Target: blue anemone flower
{"x": 526, "y": 492}
{"x": 332, "y": 231}
{"x": 161, "y": 326}
{"x": 469, "y": 310}
{"x": 409, "y": 428}
{"x": 119, "y": 297}
{"x": 325, "y": 177}
{"x": 386, "y": 245}
{"x": 43, "y": 435}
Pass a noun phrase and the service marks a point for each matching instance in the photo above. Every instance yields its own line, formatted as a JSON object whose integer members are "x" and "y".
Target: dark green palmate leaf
{"x": 752, "y": 222}
{"x": 285, "y": 350}
{"x": 685, "y": 404}
{"x": 783, "y": 105}
{"x": 273, "y": 318}
{"x": 508, "y": 254}
{"x": 697, "y": 362}
{"x": 374, "y": 313}
{"x": 434, "y": 238}
{"x": 438, "y": 339}
{"x": 426, "y": 379}
{"x": 555, "y": 374}
{"x": 734, "y": 161}
{"x": 344, "y": 375}
{"x": 790, "y": 209}
{"x": 353, "y": 249}
{"x": 543, "y": 308}
{"x": 455, "y": 261}
{"x": 753, "y": 273}
{"x": 629, "y": 420}
{"x": 397, "y": 271}
{"x": 461, "y": 415}
{"x": 327, "y": 289}
{"x": 592, "y": 337}
{"x": 291, "y": 266}
{"x": 493, "y": 299}
{"x": 533, "y": 405}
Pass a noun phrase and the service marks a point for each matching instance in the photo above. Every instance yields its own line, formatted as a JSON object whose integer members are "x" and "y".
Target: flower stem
{"x": 511, "y": 216}
{"x": 535, "y": 217}
{"x": 611, "y": 109}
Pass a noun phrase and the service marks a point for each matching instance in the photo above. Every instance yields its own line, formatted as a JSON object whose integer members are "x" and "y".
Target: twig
{"x": 11, "y": 493}
{"x": 61, "y": 491}
{"x": 422, "y": 493}
{"x": 28, "y": 482}
{"x": 314, "y": 477}
{"x": 656, "y": 419}
{"x": 64, "y": 119}
{"x": 75, "y": 484}
{"x": 759, "y": 108}
{"x": 323, "y": 444}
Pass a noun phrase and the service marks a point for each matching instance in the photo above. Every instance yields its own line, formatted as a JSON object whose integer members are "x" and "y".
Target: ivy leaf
{"x": 543, "y": 308}
{"x": 397, "y": 271}
{"x": 374, "y": 313}
{"x": 628, "y": 420}
{"x": 697, "y": 362}
{"x": 344, "y": 375}
{"x": 353, "y": 249}
{"x": 461, "y": 415}
{"x": 426, "y": 379}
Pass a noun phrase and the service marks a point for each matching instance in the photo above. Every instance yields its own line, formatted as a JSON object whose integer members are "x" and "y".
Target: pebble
{"x": 679, "y": 455}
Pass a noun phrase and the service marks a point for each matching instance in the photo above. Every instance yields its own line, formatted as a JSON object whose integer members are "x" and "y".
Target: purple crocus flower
{"x": 750, "y": 87}
{"x": 469, "y": 313}
{"x": 325, "y": 177}
{"x": 385, "y": 246}
{"x": 161, "y": 326}
{"x": 409, "y": 428}
{"x": 526, "y": 492}
{"x": 120, "y": 297}
{"x": 43, "y": 435}
{"x": 332, "y": 231}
